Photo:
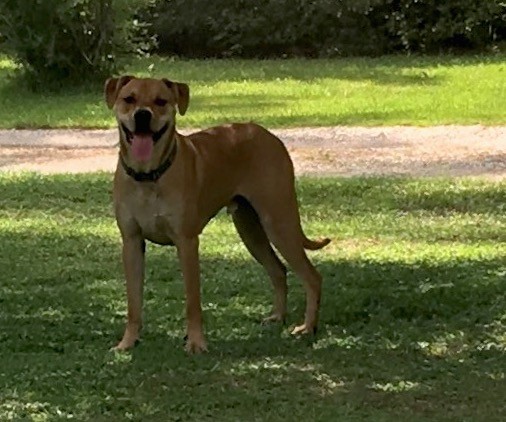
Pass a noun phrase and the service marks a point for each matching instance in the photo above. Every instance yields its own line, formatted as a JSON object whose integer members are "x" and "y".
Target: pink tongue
{"x": 142, "y": 147}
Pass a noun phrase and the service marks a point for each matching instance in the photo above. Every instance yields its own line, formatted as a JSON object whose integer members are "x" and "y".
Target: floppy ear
{"x": 112, "y": 87}
{"x": 182, "y": 93}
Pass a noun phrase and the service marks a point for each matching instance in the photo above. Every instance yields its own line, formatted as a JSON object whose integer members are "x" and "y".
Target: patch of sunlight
{"x": 52, "y": 314}
{"x": 117, "y": 307}
{"x": 449, "y": 344}
{"x": 73, "y": 227}
{"x": 117, "y": 358}
{"x": 243, "y": 305}
{"x": 496, "y": 338}
{"x": 455, "y": 344}
{"x": 98, "y": 285}
{"x": 245, "y": 367}
{"x": 7, "y": 63}
{"x": 223, "y": 248}
{"x": 326, "y": 384}
{"x": 496, "y": 376}
{"x": 391, "y": 345}
{"x": 394, "y": 387}
{"x": 210, "y": 306}
{"x": 426, "y": 287}
{"x": 338, "y": 341}
{"x": 44, "y": 314}
{"x": 35, "y": 411}
{"x": 394, "y": 250}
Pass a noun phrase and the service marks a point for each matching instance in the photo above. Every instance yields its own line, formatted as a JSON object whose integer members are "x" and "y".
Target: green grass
{"x": 413, "y": 319}
{"x": 281, "y": 93}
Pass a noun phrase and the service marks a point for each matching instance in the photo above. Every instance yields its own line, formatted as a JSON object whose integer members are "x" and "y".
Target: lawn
{"x": 393, "y": 90}
{"x": 413, "y": 320}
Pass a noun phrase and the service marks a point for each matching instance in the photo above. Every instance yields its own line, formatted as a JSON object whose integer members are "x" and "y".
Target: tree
{"x": 59, "y": 41}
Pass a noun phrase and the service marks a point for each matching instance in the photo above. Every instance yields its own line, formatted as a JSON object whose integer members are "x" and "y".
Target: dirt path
{"x": 345, "y": 151}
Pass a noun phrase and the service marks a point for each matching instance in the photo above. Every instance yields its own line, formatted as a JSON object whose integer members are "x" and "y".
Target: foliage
{"x": 412, "y": 316}
{"x": 59, "y": 41}
{"x": 260, "y": 28}
{"x": 432, "y": 25}
{"x": 265, "y": 28}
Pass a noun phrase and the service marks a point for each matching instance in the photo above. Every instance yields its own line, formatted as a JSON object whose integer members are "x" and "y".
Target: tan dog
{"x": 168, "y": 186}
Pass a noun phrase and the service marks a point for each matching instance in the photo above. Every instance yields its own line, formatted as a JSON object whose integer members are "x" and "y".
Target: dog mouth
{"x": 142, "y": 143}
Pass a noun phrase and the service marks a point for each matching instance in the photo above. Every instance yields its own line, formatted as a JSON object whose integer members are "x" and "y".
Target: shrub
{"x": 260, "y": 28}
{"x": 58, "y": 41}
{"x": 433, "y": 26}
{"x": 263, "y": 28}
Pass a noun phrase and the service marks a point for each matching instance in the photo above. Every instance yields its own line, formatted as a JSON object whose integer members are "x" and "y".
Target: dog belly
{"x": 159, "y": 238}
{"x": 157, "y": 230}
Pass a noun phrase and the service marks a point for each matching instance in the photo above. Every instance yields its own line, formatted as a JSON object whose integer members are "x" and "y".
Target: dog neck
{"x": 167, "y": 156}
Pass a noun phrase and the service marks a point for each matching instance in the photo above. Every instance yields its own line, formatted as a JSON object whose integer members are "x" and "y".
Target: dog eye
{"x": 160, "y": 102}
{"x": 129, "y": 99}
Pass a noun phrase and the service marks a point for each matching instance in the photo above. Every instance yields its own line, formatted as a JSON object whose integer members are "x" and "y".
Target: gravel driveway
{"x": 345, "y": 151}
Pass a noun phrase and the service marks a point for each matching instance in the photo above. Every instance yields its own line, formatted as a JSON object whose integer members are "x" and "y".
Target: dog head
{"x": 146, "y": 111}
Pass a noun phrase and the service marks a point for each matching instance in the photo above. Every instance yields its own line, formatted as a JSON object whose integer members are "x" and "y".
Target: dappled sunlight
{"x": 119, "y": 359}
{"x": 12, "y": 408}
{"x": 287, "y": 93}
{"x": 336, "y": 340}
{"x": 282, "y": 371}
{"x": 405, "y": 319}
{"x": 395, "y": 387}
{"x": 446, "y": 345}
{"x": 6, "y": 63}
{"x": 44, "y": 224}
{"x": 240, "y": 305}
{"x": 412, "y": 252}
{"x": 327, "y": 385}
{"x": 495, "y": 337}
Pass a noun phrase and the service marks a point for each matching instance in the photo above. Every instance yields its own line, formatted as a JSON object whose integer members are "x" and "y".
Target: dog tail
{"x": 313, "y": 245}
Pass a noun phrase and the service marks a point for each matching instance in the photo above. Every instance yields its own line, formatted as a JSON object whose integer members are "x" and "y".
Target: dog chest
{"x": 154, "y": 214}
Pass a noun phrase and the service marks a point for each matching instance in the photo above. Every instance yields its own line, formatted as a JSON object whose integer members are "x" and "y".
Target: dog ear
{"x": 182, "y": 92}
{"x": 112, "y": 87}
{"x": 183, "y": 100}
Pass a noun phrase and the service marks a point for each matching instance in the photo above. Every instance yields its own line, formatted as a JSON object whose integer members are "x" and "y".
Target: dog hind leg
{"x": 283, "y": 229}
{"x": 253, "y": 235}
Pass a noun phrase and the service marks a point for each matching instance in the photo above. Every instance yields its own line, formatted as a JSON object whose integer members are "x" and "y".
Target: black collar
{"x": 153, "y": 175}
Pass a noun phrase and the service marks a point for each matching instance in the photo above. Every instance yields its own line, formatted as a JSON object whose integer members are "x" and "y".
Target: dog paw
{"x": 274, "y": 318}
{"x": 125, "y": 345}
{"x": 304, "y": 330}
{"x": 130, "y": 339}
{"x": 195, "y": 345}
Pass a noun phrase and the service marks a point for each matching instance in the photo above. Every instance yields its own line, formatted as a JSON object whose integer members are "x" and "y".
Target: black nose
{"x": 142, "y": 119}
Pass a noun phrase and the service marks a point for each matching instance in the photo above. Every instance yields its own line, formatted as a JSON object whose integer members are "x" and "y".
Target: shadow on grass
{"x": 277, "y": 105}
{"x": 423, "y": 338}
{"x": 394, "y": 338}
{"x": 390, "y": 70}
{"x": 231, "y": 108}
{"x": 440, "y": 196}
{"x": 91, "y": 194}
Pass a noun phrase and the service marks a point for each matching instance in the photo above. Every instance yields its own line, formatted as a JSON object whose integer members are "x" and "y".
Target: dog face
{"x": 145, "y": 110}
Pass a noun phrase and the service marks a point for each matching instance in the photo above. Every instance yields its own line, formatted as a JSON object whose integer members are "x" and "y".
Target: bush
{"x": 263, "y": 28}
{"x": 59, "y": 41}
{"x": 433, "y": 25}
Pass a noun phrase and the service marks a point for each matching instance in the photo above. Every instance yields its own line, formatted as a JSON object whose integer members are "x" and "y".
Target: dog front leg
{"x": 188, "y": 251}
{"x": 133, "y": 264}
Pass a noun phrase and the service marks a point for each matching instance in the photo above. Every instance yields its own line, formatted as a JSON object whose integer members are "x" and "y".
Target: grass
{"x": 280, "y": 93}
{"x": 413, "y": 320}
